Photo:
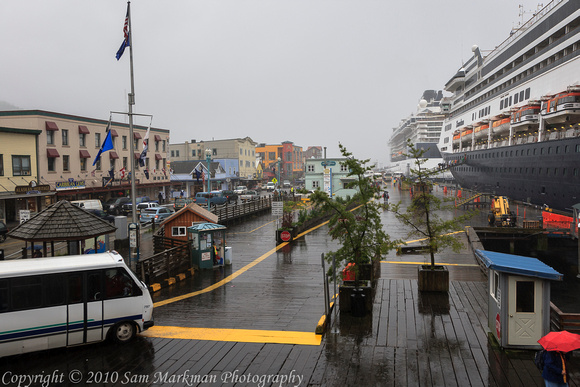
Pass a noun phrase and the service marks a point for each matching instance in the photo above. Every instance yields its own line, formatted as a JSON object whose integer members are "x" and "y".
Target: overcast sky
{"x": 315, "y": 72}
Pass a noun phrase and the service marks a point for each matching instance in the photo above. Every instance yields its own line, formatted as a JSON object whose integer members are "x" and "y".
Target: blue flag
{"x": 125, "y": 36}
{"x": 107, "y": 146}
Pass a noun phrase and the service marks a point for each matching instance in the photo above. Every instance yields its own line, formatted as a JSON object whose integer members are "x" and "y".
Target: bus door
{"x": 85, "y": 308}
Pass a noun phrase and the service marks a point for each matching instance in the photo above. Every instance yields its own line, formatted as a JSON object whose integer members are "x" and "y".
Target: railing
{"x": 560, "y": 321}
{"x": 228, "y": 212}
{"x": 165, "y": 264}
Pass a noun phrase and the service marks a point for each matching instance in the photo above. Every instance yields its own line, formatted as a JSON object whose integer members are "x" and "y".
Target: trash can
{"x": 228, "y": 255}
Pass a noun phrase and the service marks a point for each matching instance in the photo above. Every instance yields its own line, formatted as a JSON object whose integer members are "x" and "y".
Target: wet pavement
{"x": 407, "y": 340}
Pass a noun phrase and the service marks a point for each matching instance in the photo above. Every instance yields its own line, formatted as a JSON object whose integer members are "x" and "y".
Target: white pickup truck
{"x": 241, "y": 189}
{"x": 250, "y": 195}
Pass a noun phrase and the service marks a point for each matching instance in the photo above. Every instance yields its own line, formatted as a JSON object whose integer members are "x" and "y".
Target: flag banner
{"x": 197, "y": 175}
{"x": 146, "y": 171}
{"x": 125, "y": 36}
{"x": 145, "y": 147}
{"x": 122, "y": 172}
{"x": 112, "y": 173}
{"x": 107, "y": 144}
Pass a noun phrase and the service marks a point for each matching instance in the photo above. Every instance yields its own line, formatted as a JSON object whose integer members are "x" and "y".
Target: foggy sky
{"x": 315, "y": 72}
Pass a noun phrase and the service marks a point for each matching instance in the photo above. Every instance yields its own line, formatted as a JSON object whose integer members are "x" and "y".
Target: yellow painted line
{"x": 427, "y": 263}
{"x": 256, "y": 229}
{"x": 235, "y": 335}
{"x": 424, "y": 239}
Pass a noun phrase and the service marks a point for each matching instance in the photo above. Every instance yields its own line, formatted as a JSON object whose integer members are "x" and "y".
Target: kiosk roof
{"x": 517, "y": 264}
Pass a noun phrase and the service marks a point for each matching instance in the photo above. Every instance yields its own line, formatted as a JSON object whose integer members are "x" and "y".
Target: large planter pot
{"x": 358, "y": 301}
{"x": 433, "y": 278}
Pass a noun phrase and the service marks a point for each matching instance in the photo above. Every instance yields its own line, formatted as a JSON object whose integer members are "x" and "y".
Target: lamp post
{"x": 279, "y": 163}
{"x": 208, "y": 160}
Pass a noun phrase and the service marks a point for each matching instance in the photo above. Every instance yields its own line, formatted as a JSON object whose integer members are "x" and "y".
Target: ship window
{"x": 528, "y": 93}
{"x": 526, "y": 170}
{"x": 577, "y": 148}
{"x": 541, "y": 151}
{"x": 566, "y": 149}
{"x": 516, "y": 98}
{"x": 549, "y": 149}
{"x": 522, "y": 95}
{"x": 535, "y": 151}
{"x": 563, "y": 171}
{"x": 533, "y": 170}
{"x": 539, "y": 171}
{"x": 555, "y": 171}
{"x": 543, "y": 192}
{"x": 528, "y": 153}
{"x": 575, "y": 171}
{"x": 557, "y": 149}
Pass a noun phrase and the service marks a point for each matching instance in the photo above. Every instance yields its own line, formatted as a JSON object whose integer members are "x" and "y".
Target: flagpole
{"x": 131, "y": 136}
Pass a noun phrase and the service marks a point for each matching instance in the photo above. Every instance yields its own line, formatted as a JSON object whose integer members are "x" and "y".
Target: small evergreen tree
{"x": 423, "y": 215}
{"x": 355, "y": 222}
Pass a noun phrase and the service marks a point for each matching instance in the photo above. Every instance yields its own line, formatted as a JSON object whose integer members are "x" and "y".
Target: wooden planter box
{"x": 433, "y": 279}
{"x": 368, "y": 278}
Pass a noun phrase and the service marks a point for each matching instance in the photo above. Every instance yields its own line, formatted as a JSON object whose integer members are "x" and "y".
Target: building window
{"x": 343, "y": 168}
{"x": 163, "y": 147}
{"x": 310, "y": 168}
{"x": 241, "y": 152}
{"x": 156, "y": 165}
{"x": 52, "y": 164}
{"x": 1, "y": 165}
{"x": 136, "y": 144}
{"x": 98, "y": 165}
{"x": 272, "y": 155}
{"x": 65, "y": 137}
{"x": 124, "y": 142}
{"x": 65, "y": 163}
{"x": 83, "y": 139}
{"x": 214, "y": 151}
{"x": 50, "y": 137}
{"x": 125, "y": 163}
{"x": 172, "y": 153}
{"x": 83, "y": 164}
{"x": 178, "y": 231}
{"x": 20, "y": 165}
{"x": 315, "y": 184}
{"x": 156, "y": 146}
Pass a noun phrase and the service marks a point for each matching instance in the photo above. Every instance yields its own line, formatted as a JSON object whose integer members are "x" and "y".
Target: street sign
{"x": 24, "y": 216}
{"x": 328, "y": 163}
{"x": 274, "y": 180}
{"x": 133, "y": 234}
{"x": 285, "y": 236}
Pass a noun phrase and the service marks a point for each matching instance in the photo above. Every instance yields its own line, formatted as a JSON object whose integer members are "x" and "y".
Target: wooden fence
{"x": 228, "y": 213}
{"x": 560, "y": 321}
{"x": 165, "y": 264}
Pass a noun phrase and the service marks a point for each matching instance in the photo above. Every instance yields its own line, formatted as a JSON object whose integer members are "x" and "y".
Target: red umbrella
{"x": 563, "y": 341}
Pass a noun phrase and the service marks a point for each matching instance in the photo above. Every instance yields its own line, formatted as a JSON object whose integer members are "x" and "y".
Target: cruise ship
{"x": 423, "y": 128}
{"x": 512, "y": 124}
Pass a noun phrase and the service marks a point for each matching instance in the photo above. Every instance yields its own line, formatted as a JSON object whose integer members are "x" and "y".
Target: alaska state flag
{"x": 107, "y": 146}
{"x": 125, "y": 36}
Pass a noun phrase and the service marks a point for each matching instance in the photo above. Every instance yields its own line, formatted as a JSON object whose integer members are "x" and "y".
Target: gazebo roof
{"x": 61, "y": 222}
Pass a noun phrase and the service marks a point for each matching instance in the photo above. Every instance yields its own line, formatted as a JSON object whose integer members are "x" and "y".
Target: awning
{"x": 83, "y": 129}
{"x": 157, "y": 137}
{"x": 84, "y": 154}
{"x": 158, "y": 156}
{"x": 113, "y": 155}
{"x": 51, "y": 152}
{"x": 137, "y": 135}
{"x": 51, "y": 125}
{"x": 113, "y": 133}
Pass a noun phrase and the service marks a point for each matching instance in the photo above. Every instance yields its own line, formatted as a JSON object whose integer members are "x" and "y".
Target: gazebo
{"x": 61, "y": 222}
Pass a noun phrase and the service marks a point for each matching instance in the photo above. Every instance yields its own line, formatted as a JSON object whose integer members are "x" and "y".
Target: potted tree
{"x": 356, "y": 223}
{"x": 424, "y": 221}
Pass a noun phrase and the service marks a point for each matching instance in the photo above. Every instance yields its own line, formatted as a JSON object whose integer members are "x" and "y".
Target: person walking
{"x": 386, "y": 197}
{"x": 555, "y": 372}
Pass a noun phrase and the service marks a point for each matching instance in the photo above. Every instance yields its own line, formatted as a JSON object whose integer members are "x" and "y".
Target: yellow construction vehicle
{"x": 500, "y": 214}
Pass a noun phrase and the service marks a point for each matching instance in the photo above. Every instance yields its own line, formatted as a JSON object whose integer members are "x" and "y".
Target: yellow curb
{"x": 180, "y": 277}
{"x": 155, "y": 287}
{"x": 321, "y": 325}
{"x": 170, "y": 281}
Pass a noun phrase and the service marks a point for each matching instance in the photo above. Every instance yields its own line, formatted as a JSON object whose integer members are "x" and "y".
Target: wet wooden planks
{"x": 409, "y": 339}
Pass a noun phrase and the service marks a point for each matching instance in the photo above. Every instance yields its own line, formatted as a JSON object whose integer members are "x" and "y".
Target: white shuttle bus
{"x": 65, "y": 301}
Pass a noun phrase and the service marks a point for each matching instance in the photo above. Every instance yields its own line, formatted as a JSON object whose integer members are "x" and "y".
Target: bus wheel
{"x": 124, "y": 332}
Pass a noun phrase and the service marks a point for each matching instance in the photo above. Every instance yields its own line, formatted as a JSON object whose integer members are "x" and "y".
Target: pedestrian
{"x": 386, "y": 197}
{"x": 555, "y": 372}
{"x": 160, "y": 196}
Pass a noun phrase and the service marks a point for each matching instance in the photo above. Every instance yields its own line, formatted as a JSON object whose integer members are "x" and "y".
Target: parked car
{"x": 231, "y": 195}
{"x": 146, "y": 205}
{"x": 287, "y": 184}
{"x": 102, "y": 214}
{"x": 114, "y": 206}
{"x": 214, "y": 197}
{"x": 92, "y": 204}
{"x": 270, "y": 186}
{"x": 127, "y": 206}
{"x": 241, "y": 189}
{"x": 181, "y": 202}
{"x": 155, "y": 213}
{"x": 250, "y": 195}
{"x": 3, "y": 231}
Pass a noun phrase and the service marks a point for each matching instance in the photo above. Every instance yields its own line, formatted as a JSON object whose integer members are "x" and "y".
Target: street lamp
{"x": 279, "y": 162}
{"x": 208, "y": 159}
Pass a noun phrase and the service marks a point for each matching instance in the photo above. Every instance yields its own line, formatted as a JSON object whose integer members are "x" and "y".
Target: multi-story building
{"x": 67, "y": 147}
{"x": 236, "y": 156}
{"x": 330, "y": 175}
{"x": 313, "y": 152}
{"x": 286, "y": 156}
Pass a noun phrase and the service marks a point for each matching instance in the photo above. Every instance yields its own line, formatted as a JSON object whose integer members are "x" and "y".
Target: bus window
{"x": 118, "y": 283}
{"x": 26, "y": 292}
{"x": 94, "y": 292}
{"x": 75, "y": 289}
{"x": 53, "y": 290}
{"x": 3, "y": 295}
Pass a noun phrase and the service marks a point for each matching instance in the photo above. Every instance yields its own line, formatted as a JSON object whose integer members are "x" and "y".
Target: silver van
{"x": 88, "y": 204}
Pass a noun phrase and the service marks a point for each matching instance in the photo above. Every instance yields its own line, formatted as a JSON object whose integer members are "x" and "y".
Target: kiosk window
{"x": 525, "y": 296}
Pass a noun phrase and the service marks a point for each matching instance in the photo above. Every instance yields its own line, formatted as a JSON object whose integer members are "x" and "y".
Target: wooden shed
{"x": 176, "y": 225}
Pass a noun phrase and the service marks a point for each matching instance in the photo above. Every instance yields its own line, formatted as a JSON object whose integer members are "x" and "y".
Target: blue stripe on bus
{"x": 63, "y": 328}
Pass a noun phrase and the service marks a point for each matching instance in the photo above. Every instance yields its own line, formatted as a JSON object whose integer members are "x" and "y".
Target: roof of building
{"x": 517, "y": 264}
{"x": 196, "y": 209}
{"x": 62, "y": 222}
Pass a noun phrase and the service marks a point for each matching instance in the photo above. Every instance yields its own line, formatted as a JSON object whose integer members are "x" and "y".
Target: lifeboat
{"x": 456, "y": 137}
{"x": 526, "y": 117}
{"x": 563, "y": 107}
{"x": 501, "y": 126}
{"x": 481, "y": 131}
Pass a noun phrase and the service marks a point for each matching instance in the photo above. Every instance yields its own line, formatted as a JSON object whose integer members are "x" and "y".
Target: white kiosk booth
{"x": 518, "y": 310}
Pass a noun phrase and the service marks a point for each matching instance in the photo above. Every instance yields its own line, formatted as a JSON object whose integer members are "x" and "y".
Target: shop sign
{"x": 27, "y": 189}
{"x": 69, "y": 184}
{"x": 108, "y": 182}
